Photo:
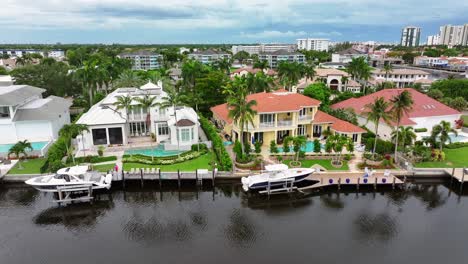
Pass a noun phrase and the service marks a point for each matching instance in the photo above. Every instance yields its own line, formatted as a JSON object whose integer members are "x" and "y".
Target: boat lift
{"x": 84, "y": 193}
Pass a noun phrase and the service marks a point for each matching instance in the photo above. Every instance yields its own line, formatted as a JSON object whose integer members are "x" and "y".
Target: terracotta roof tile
{"x": 336, "y": 124}
{"x": 423, "y": 106}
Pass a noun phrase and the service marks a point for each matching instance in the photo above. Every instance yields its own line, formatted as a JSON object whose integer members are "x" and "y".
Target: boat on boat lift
{"x": 276, "y": 176}
{"x": 76, "y": 176}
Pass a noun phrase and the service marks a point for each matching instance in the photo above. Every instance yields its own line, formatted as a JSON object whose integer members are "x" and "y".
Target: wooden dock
{"x": 351, "y": 179}
{"x": 460, "y": 174}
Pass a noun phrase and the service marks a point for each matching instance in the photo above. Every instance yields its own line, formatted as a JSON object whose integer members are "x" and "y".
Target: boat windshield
{"x": 62, "y": 177}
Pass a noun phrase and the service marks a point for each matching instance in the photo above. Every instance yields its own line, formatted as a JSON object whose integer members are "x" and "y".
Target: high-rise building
{"x": 257, "y": 49}
{"x": 410, "y": 36}
{"x": 433, "y": 40}
{"x": 143, "y": 59}
{"x": 454, "y": 35}
{"x": 313, "y": 44}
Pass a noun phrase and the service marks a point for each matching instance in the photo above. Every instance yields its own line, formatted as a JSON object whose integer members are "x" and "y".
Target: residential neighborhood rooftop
{"x": 423, "y": 106}
{"x": 401, "y": 71}
{"x": 337, "y": 124}
{"x": 326, "y": 72}
{"x": 42, "y": 109}
{"x": 15, "y": 94}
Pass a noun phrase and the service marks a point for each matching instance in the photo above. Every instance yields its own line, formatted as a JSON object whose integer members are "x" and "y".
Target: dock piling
{"x": 358, "y": 181}
{"x": 339, "y": 183}
{"x": 160, "y": 179}
{"x": 178, "y": 177}
{"x": 375, "y": 184}
{"x": 123, "y": 179}
{"x": 213, "y": 177}
{"x": 141, "y": 178}
{"x": 393, "y": 183}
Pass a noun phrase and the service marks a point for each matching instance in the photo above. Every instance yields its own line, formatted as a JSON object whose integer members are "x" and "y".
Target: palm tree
{"x": 125, "y": 102}
{"x": 261, "y": 64}
{"x": 359, "y": 69}
{"x": 128, "y": 78}
{"x": 240, "y": 110}
{"x": 377, "y": 111}
{"x": 191, "y": 70}
{"x": 19, "y": 148}
{"x": 402, "y": 105}
{"x": 258, "y": 82}
{"x": 290, "y": 73}
{"x": 173, "y": 99}
{"x": 146, "y": 102}
{"x": 388, "y": 68}
{"x": 298, "y": 143}
{"x": 309, "y": 72}
{"x": 442, "y": 131}
{"x": 224, "y": 65}
{"x": 87, "y": 76}
{"x": 405, "y": 134}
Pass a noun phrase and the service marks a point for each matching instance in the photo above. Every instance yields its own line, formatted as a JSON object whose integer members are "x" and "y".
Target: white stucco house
{"x": 25, "y": 115}
{"x": 335, "y": 79}
{"x": 426, "y": 113}
{"x": 402, "y": 78}
{"x": 108, "y": 125}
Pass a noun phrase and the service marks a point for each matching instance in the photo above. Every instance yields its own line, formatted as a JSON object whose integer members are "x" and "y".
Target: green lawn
{"x": 324, "y": 163}
{"x": 454, "y": 158}
{"x": 104, "y": 167}
{"x": 32, "y": 166}
{"x": 465, "y": 120}
{"x": 202, "y": 162}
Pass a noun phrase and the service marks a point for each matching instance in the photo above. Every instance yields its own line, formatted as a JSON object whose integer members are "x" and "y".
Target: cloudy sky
{"x": 220, "y": 21}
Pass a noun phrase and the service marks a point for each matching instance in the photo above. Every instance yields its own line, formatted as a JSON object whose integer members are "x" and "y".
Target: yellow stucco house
{"x": 281, "y": 114}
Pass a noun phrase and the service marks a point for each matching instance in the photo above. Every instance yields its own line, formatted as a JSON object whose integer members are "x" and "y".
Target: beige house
{"x": 281, "y": 114}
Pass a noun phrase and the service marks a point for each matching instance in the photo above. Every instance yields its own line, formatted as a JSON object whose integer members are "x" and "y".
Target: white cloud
{"x": 273, "y": 34}
{"x": 241, "y": 15}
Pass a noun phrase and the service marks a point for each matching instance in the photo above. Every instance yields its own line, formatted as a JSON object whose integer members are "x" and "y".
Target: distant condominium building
{"x": 56, "y": 54}
{"x": 313, "y": 44}
{"x": 410, "y": 36}
{"x": 347, "y": 55}
{"x": 257, "y": 49}
{"x": 143, "y": 59}
{"x": 453, "y": 35}
{"x": 400, "y": 77}
{"x": 209, "y": 55}
{"x": 433, "y": 40}
{"x": 275, "y": 58}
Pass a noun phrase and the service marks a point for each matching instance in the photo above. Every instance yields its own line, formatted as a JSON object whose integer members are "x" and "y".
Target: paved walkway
{"x": 353, "y": 164}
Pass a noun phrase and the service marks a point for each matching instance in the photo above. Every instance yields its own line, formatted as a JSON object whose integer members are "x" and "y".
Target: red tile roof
{"x": 278, "y": 101}
{"x": 254, "y": 71}
{"x": 336, "y": 124}
{"x": 424, "y": 106}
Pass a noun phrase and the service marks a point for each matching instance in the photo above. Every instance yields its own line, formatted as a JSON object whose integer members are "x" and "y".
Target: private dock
{"x": 352, "y": 179}
{"x": 460, "y": 174}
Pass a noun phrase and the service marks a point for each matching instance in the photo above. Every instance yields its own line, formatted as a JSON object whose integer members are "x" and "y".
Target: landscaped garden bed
{"x": 326, "y": 163}
{"x": 203, "y": 161}
{"x": 454, "y": 158}
{"x": 29, "y": 166}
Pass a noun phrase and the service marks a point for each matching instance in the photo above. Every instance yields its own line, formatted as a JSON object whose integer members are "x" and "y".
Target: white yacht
{"x": 276, "y": 176}
{"x": 69, "y": 177}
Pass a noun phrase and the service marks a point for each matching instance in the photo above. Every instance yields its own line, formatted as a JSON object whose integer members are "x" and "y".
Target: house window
{"x": 192, "y": 134}
{"x": 138, "y": 129}
{"x": 163, "y": 129}
{"x": 267, "y": 118}
{"x": 99, "y": 136}
{"x": 185, "y": 134}
{"x": 258, "y": 136}
{"x": 301, "y": 130}
{"x": 115, "y": 135}
{"x": 317, "y": 130}
{"x": 355, "y": 137}
{"x": 303, "y": 112}
{"x": 4, "y": 112}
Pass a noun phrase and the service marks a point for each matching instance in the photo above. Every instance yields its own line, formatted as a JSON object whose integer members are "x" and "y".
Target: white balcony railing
{"x": 305, "y": 118}
{"x": 282, "y": 123}
{"x": 267, "y": 125}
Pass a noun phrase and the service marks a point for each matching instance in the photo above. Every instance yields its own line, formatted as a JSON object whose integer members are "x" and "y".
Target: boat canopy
{"x": 276, "y": 167}
{"x": 75, "y": 170}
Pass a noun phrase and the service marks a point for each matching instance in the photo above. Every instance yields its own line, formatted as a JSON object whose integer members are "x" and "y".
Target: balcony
{"x": 267, "y": 125}
{"x": 305, "y": 118}
{"x": 284, "y": 123}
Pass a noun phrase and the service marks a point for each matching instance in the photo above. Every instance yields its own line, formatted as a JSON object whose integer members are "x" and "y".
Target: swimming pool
{"x": 459, "y": 138}
{"x": 309, "y": 147}
{"x": 35, "y": 145}
{"x": 157, "y": 151}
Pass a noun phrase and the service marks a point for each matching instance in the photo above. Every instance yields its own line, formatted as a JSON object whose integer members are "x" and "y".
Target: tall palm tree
{"x": 87, "y": 75}
{"x": 290, "y": 73}
{"x": 173, "y": 99}
{"x": 21, "y": 147}
{"x": 258, "y": 82}
{"x": 309, "y": 72}
{"x": 240, "y": 110}
{"x": 442, "y": 131}
{"x": 405, "y": 134}
{"x": 261, "y": 64}
{"x": 146, "y": 102}
{"x": 377, "y": 112}
{"x": 224, "y": 65}
{"x": 402, "y": 105}
{"x": 125, "y": 102}
{"x": 388, "y": 68}
{"x": 128, "y": 78}
{"x": 191, "y": 70}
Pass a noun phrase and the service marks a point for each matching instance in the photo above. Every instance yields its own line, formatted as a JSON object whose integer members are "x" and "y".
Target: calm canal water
{"x": 426, "y": 224}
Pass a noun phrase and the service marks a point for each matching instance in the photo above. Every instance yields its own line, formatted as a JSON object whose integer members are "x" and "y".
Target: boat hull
{"x": 277, "y": 184}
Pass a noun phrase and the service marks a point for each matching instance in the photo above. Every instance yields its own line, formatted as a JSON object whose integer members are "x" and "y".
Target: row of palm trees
{"x": 393, "y": 110}
{"x": 290, "y": 73}
{"x": 173, "y": 99}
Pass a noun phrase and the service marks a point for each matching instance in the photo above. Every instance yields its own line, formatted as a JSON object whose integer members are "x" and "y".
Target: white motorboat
{"x": 276, "y": 176}
{"x": 76, "y": 176}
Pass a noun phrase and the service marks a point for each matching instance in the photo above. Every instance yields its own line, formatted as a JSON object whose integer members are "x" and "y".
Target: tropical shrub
{"x": 273, "y": 147}
{"x": 286, "y": 146}
{"x": 237, "y": 149}
{"x": 55, "y": 154}
{"x": 317, "y": 146}
{"x": 225, "y": 162}
{"x": 199, "y": 147}
{"x": 258, "y": 147}
{"x": 247, "y": 148}
{"x": 100, "y": 151}
{"x": 383, "y": 146}
{"x": 158, "y": 161}
{"x": 437, "y": 155}
{"x": 92, "y": 159}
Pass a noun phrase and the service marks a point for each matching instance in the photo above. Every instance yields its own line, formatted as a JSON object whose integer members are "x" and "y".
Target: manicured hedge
{"x": 56, "y": 152}
{"x": 93, "y": 159}
{"x": 383, "y": 146}
{"x": 158, "y": 161}
{"x": 457, "y": 145}
{"x": 224, "y": 160}
{"x": 420, "y": 130}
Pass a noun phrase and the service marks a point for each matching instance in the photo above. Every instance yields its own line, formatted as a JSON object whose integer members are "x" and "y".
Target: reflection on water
{"x": 76, "y": 216}
{"x": 226, "y": 225}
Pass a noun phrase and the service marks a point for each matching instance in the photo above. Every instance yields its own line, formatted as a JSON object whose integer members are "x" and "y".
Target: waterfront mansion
{"x": 108, "y": 125}
{"x": 281, "y": 114}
